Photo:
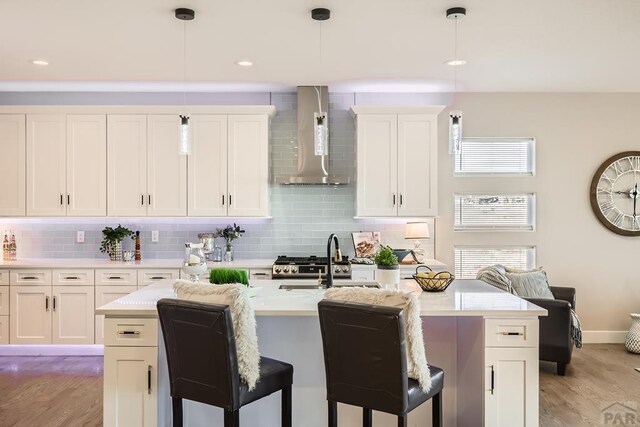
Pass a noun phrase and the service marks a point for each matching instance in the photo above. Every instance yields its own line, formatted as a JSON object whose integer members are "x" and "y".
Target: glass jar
{"x": 217, "y": 254}
{"x": 228, "y": 252}
{"x": 194, "y": 263}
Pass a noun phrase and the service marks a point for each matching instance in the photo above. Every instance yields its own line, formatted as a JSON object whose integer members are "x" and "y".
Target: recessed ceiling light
{"x": 456, "y": 62}
{"x": 244, "y": 63}
{"x": 39, "y": 62}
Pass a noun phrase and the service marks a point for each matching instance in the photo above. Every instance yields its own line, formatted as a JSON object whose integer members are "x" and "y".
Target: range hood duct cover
{"x": 312, "y": 169}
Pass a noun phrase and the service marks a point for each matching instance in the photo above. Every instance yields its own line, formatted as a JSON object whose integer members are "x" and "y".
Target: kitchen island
{"x": 486, "y": 341}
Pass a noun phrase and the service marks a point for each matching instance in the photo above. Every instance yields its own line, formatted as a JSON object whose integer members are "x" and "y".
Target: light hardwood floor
{"x": 67, "y": 391}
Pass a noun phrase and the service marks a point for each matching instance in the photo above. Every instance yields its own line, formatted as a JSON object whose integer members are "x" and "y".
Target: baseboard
{"x": 604, "y": 337}
{"x": 51, "y": 350}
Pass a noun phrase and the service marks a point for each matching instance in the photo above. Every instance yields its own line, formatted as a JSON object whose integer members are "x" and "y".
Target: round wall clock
{"x": 615, "y": 197}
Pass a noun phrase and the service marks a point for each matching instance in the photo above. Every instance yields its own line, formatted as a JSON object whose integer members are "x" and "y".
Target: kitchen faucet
{"x": 337, "y": 255}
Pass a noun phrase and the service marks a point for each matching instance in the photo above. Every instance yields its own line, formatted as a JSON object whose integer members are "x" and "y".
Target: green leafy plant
{"x": 114, "y": 235}
{"x": 221, "y": 276}
{"x": 385, "y": 256}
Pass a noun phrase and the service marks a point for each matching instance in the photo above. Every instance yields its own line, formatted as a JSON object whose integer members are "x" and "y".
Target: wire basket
{"x": 436, "y": 283}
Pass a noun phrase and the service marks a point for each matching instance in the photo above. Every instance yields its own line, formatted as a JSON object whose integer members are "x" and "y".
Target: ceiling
{"x": 368, "y": 45}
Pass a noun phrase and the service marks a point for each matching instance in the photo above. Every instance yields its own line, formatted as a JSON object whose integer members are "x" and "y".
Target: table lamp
{"x": 417, "y": 231}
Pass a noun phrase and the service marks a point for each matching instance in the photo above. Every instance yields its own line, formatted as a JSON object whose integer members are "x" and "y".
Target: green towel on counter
{"x": 223, "y": 276}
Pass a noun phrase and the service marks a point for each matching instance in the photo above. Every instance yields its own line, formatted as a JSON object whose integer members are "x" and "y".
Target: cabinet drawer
{"x": 117, "y": 277}
{"x": 511, "y": 332}
{"x": 4, "y": 329}
{"x": 260, "y": 274}
{"x": 73, "y": 277}
{"x": 363, "y": 275}
{"x": 31, "y": 277}
{"x": 4, "y": 300}
{"x": 4, "y": 277}
{"x": 147, "y": 277}
{"x": 131, "y": 332}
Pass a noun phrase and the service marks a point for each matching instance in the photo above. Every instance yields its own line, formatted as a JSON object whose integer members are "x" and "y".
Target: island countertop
{"x": 462, "y": 298}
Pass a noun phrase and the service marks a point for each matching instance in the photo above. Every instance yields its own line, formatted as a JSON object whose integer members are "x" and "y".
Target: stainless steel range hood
{"x": 312, "y": 169}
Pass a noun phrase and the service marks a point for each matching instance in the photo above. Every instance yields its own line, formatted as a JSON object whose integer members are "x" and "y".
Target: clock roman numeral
{"x": 605, "y": 191}
{"x": 618, "y": 168}
{"x": 605, "y": 176}
{"x": 618, "y": 219}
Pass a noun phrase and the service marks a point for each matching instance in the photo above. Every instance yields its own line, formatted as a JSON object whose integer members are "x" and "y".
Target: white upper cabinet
{"x": 127, "y": 164}
{"x": 86, "y": 165}
{"x": 248, "y": 165}
{"x": 397, "y": 161}
{"x": 166, "y": 169}
{"x": 46, "y": 165}
{"x": 12, "y": 164}
{"x": 207, "y": 186}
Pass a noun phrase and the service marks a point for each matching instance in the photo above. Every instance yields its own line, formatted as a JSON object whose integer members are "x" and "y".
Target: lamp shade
{"x": 417, "y": 230}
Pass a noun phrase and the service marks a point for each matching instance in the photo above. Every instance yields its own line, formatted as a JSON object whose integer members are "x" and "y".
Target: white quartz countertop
{"x": 462, "y": 298}
{"x": 145, "y": 263}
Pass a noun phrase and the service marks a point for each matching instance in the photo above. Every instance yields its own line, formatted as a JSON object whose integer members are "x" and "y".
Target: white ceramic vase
{"x": 632, "y": 343}
{"x": 388, "y": 276}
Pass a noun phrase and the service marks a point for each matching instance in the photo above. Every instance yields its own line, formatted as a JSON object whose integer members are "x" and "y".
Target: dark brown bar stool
{"x": 365, "y": 362}
{"x": 203, "y": 364}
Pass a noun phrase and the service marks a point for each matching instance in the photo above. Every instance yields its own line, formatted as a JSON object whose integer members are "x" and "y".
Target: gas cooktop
{"x": 309, "y": 267}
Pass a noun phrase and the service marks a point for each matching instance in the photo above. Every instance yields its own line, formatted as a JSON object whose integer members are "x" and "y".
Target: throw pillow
{"x": 417, "y": 366}
{"x": 242, "y": 316}
{"x": 531, "y": 284}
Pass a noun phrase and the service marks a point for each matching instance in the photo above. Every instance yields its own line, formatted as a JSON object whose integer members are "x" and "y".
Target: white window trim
{"x": 533, "y": 211}
{"x": 532, "y": 159}
{"x": 532, "y": 253}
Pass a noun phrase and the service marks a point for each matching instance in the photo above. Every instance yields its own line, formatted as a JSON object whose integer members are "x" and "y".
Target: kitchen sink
{"x": 295, "y": 285}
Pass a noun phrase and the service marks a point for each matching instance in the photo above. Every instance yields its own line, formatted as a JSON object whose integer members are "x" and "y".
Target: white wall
{"x": 575, "y": 133}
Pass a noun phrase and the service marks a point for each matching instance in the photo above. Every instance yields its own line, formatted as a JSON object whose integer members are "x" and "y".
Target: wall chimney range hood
{"x": 313, "y": 162}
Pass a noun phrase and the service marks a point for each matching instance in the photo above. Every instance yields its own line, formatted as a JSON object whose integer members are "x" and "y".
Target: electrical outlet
{"x": 80, "y": 237}
{"x": 155, "y": 236}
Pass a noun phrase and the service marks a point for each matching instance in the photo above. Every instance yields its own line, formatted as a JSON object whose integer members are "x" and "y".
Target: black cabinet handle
{"x": 149, "y": 379}
{"x": 229, "y": 199}
{"x": 401, "y": 199}
{"x": 512, "y": 333}
{"x": 114, "y": 278}
{"x": 72, "y": 278}
{"x": 61, "y": 202}
{"x": 54, "y": 303}
{"x": 492, "y": 379}
{"x": 223, "y": 200}
{"x": 149, "y": 199}
{"x": 68, "y": 199}
{"x": 29, "y": 278}
{"x": 142, "y": 199}
{"x": 128, "y": 332}
{"x": 394, "y": 199}
{"x": 158, "y": 278}
{"x": 46, "y": 303}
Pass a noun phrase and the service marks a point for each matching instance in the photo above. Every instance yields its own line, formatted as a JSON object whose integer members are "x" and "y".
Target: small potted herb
{"x": 229, "y": 233}
{"x": 112, "y": 241}
{"x": 388, "y": 272}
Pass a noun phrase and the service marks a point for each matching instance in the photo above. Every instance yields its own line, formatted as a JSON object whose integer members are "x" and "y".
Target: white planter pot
{"x": 633, "y": 337}
{"x": 388, "y": 278}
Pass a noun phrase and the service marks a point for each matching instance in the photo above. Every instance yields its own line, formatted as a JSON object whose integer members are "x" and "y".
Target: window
{"x": 496, "y": 156}
{"x": 483, "y": 212}
{"x": 469, "y": 259}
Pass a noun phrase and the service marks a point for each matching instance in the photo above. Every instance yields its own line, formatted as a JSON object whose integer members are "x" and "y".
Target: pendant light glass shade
{"x": 185, "y": 137}
{"x": 455, "y": 131}
{"x": 321, "y": 134}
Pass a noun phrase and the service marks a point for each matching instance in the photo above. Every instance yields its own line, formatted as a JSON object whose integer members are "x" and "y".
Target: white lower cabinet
{"x": 130, "y": 386}
{"x": 4, "y": 300}
{"x": 72, "y": 310}
{"x": 30, "y": 309}
{"x": 105, "y": 295}
{"x": 4, "y": 329}
{"x": 511, "y": 377}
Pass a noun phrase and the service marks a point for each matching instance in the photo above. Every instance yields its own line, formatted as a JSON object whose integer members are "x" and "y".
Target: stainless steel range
{"x": 309, "y": 268}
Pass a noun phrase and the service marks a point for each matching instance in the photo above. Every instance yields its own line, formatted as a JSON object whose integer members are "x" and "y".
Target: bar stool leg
{"x": 402, "y": 420}
{"x": 333, "y": 414}
{"x": 232, "y": 418}
{"x": 286, "y": 407}
{"x": 367, "y": 417}
{"x": 176, "y": 403}
{"x": 436, "y": 407}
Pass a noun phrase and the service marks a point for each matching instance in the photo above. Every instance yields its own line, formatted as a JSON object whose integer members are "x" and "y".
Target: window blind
{"x": 507, "y": 212}
{"x": 496, "y": 156}
{"x": 469, "y": 259}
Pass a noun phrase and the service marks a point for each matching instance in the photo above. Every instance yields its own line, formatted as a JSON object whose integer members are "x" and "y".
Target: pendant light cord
{"x": 455, "y": 56}
{"x": 184, "y": 66}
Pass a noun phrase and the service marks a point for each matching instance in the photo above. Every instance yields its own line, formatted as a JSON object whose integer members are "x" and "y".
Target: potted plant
{"x": 388, "y": 272}
{"x": 229, "y": 233}
{"x": 112, "y": 241}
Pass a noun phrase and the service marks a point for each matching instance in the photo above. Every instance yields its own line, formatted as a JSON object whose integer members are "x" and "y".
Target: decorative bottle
{"x": 5, "y": 247}
{"x": 13, "y": 247}
{"x": 138, "y": 255}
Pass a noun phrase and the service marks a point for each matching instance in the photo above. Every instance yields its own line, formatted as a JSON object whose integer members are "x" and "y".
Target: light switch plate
{"x": 155, "y": 236}
{"x": 80, "y": 237}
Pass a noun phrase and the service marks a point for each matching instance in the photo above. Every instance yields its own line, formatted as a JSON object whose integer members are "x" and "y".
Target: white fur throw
{"x": 242, "y": 316}
{"x": 417, "y": 366}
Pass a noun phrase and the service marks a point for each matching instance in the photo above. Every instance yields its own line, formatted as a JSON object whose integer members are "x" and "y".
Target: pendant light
{"x": 184, "y": 147}
{"x": 320, "y": 119}
{"x": 455, "y": 116}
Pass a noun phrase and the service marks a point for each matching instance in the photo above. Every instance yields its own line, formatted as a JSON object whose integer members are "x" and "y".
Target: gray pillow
{"x": 532, "y": 284}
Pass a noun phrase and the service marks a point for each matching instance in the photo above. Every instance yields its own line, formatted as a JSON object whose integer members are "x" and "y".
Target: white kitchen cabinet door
{"x": 46, "y": 165}
{"x": 207, "y": 187}
{"x": 149, "y": 276}
{"x": 166, "y": 169}
{"x": 105, "y": 295}
{"x": 248, "y": 165}
{"x": 127, "y": 165}
{"x": 86, "y": 165}
{"x": 30, "y": 309}
{"x": 73, "y": 317}
{"x": 4, "y": 329}
{"x": 377, "y": 158}
{"x": 4, "y": 300}
{"x": 417, "y": 165}
{"x": 13, "y": 164}
{"x": 130, "y": 386}
{"x": 511, "y": 397}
